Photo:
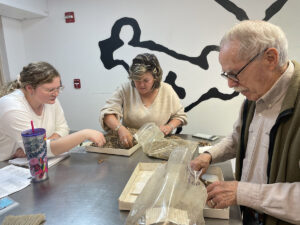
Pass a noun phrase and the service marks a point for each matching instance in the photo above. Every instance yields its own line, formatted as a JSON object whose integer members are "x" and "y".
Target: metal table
{"x": 82, "y": 191}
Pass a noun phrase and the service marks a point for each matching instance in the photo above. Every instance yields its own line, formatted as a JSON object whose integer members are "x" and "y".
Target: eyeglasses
{"x": 54, "y": 90}
{"x": 234, "y": 76}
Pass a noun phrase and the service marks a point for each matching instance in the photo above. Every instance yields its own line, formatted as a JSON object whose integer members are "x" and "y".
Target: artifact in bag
{"x": 174, "y": 216}
{"x": 169, "y": 197}
{"x": 154, "y": 143}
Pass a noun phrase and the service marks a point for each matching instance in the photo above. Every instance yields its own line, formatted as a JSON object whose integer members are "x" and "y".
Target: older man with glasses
{"x": 266, "y": 136}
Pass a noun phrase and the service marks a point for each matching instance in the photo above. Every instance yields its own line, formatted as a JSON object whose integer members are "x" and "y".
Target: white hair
{"x": 255, "y": 36}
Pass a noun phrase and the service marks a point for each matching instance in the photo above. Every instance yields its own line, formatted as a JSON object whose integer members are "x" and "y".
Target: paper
{"x": 202, "y": 149}
{"x": 13, "y": 179}
{"x": 85, "y": 143}
{"x": 19, "y": 162}
{"x": 210, "y": 177}
{"x": 138, "y": 187}
{"x": 78, "y": 149}
{"x": 142, "y": 179}
{"x": 51, "y": 160}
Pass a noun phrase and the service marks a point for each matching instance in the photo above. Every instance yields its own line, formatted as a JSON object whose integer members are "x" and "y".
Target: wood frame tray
{"x": 129, "y": 194}
{"x": 210, "y": 212}
{"x": 113, "y": 151}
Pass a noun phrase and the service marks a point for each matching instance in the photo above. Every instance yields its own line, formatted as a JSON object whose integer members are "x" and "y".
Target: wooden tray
{"x": 144, "y": 171}
{"x": 136, "y": 183}
{"x": 113, "y": 151}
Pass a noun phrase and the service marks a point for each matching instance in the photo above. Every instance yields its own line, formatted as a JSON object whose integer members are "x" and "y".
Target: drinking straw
{"x": 32, "y": 127}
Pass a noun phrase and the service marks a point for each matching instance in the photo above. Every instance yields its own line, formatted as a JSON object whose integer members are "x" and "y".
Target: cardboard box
{"x": 142, "y": 174}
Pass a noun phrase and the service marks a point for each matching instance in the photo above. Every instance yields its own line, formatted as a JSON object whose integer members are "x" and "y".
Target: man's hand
{"x": 166, "y": 129}
{"x": 222, "y": 194}
{"x": 125, "y": 137}
{"x": 201, "y": 162}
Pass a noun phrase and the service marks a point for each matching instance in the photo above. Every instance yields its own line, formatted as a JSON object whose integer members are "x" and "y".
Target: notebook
{"x": 51, "y": 160}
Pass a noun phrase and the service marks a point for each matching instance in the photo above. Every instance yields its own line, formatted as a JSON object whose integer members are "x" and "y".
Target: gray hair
{"x": 142, "y": 64}
{"x": 33, "y": 74}
{"x": 255, "y": 36}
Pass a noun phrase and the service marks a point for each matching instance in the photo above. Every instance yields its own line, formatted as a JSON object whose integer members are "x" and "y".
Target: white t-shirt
{"x": 15, "y": 117}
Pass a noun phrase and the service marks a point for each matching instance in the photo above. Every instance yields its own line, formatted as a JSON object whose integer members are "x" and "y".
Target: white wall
{"x": 183, "y": 26}
{"x": 14, "y": 52}
{"x": 22, "y": 9}
{"x": 11, "y": 34}
{"x": 3, "y": 56}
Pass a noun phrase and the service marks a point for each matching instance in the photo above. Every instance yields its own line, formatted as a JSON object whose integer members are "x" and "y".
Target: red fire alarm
{"x": 69, "y": 17}
{"x": 77, "y": 84}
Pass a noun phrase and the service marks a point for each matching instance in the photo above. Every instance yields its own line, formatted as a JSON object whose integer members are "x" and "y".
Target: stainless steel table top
{"x": 82, "y": 191}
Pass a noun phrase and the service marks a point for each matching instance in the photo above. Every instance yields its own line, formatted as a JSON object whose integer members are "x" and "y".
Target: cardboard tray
{"x": 134, "y": 186}
{"x": 113, "y": 151}
{"x": 212, "y": 173}
{"x": 143, "y": 172}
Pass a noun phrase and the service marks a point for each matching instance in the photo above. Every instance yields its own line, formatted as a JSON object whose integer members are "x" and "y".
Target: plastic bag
{"x": 154, "y": 143}
{"x": 170, "y": 196}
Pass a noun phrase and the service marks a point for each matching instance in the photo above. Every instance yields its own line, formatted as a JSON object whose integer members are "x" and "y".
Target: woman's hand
{"x": 166, "y": 129}
{"x": 54, "y": 136}
{"x": 19, "y": 154}
{"x": 95, "y": 136}
{"x": 68, "y": 142}
{"x": 125, "y": 137}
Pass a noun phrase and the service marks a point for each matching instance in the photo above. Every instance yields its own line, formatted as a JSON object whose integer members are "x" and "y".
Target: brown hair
{"x": 33, "y": 74}
{"x": 37, "y": 73}
{"x": 142, "y": 64}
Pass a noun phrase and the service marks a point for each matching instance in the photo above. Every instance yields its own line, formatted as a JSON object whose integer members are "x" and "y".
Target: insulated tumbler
{"x": 36, "y": 150}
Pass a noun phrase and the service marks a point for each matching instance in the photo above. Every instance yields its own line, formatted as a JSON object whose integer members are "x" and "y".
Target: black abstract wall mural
{"x": 240, "y": 14}
{"x": 114, "y": 42}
